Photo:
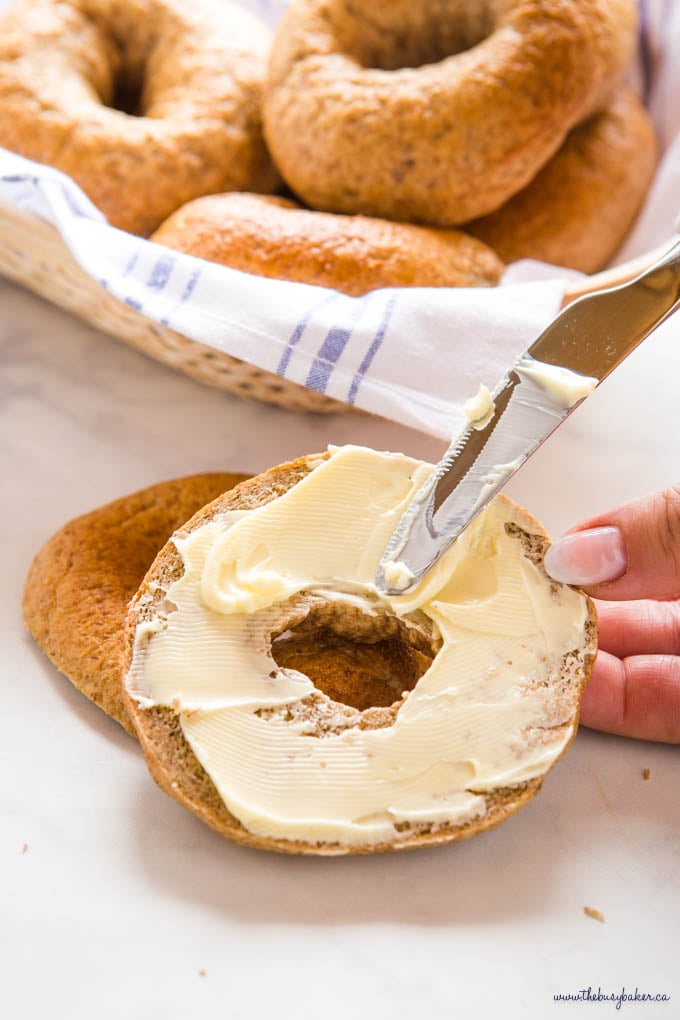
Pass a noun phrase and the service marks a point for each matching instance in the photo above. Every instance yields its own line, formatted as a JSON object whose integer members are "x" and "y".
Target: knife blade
{"x": 573, "y": 355}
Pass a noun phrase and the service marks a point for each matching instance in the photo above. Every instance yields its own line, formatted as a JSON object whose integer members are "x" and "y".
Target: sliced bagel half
{"x": 293, "y": 708}
{"x": 79, "y": 585}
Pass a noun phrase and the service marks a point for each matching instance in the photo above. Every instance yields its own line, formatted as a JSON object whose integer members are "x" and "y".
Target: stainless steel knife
{"x": 575, "y": 353}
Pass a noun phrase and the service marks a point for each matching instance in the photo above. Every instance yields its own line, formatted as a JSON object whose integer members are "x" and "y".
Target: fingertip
{"x": 588, "y": 558}
{"x": 650, "y": 539}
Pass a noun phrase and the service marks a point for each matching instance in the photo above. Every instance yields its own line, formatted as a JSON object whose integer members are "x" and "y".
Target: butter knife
{"x": 569, "y": 359}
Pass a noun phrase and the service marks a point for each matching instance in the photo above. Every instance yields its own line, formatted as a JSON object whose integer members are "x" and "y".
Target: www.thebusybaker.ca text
{"x": 588, "y": 995}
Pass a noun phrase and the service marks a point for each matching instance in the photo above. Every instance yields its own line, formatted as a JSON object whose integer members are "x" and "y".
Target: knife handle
{"x": 616, "y": 275}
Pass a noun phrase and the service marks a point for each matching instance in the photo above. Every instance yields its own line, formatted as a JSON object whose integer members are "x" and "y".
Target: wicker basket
{"x": 33, "y": 254}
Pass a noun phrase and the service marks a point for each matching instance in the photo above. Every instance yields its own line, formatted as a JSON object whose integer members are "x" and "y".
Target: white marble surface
{"x": 121, "y": 899}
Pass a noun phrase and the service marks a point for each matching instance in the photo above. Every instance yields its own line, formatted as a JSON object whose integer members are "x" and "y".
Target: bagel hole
{"x": 127, "y": 97}
{"x": 404, "y": 34}
{"x": 355, "y": 658}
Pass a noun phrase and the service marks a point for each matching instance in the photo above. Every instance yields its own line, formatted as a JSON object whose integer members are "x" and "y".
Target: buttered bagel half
{"x": 289, "y": 705}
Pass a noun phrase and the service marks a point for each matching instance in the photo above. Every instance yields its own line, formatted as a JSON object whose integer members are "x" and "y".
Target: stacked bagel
{"x": 428, "y": 144}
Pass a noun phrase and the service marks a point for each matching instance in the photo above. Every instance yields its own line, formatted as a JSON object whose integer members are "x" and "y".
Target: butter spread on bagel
{"x": 481, "y": 717}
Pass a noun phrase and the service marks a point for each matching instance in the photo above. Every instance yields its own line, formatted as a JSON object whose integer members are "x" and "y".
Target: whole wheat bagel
{"x": 78, "y": 588}
{"x": 580, "y": 206}
{"x": 144, "y": 103}
{"x": 352, "y": 669}
{"x": 435, "y": 111}
{"x": 274, "y": 237}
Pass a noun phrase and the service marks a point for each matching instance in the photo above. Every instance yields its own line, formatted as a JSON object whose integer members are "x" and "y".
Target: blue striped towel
{"x": 413, "y": 355}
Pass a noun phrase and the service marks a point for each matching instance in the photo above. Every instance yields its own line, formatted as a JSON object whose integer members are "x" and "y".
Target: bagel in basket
{"x": 580, "y": 206}
{"x": 435, "y": 112}
{"x": 292, "y": 708}
{"x": 273, "y": 237}
{"x": 146, "y": 104}
{"x": 79, "y": 585}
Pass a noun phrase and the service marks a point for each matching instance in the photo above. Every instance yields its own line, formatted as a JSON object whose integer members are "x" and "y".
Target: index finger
{"x": 650, "y": 527}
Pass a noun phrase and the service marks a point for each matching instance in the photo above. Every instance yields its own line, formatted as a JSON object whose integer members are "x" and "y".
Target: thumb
{"x": 632, "y": 552}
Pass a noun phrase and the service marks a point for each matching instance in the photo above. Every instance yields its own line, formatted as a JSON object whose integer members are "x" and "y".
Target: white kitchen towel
{"x": 413, "y": 355}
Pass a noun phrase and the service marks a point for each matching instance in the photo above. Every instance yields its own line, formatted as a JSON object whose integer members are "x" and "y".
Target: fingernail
{"x": 588, "y": 557}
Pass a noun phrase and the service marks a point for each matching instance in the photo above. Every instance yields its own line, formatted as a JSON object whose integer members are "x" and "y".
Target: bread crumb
{"x": 201, "y": 972}
{"x": 24, "y": 847}
{"x": 646, "y": 773}
{"x": 595, "y": 914}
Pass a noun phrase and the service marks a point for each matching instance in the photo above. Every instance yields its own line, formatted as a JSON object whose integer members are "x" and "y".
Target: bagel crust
{"x": 177, "y": 770}
{"x": 274, "y": 237}
{"x": 79, "y": 585}
{"x": 190, "y": 75}
{"x": 579, "y": 208}
{"x": 435, "y": 112}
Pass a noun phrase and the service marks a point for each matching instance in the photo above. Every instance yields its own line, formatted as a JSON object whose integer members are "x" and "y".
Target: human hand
{"x": 628, "y": 560}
